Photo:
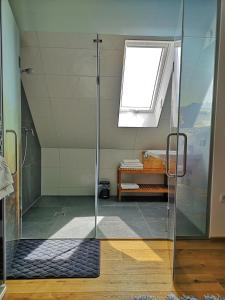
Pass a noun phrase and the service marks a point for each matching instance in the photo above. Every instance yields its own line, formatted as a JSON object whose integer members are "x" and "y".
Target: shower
{"x": 27, "y": 131}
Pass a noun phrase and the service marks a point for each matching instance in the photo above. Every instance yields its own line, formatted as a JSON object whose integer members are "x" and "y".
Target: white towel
{"x": 129, "y": 186}
{"x": 6, "y": 180}
{"x": 130, "y": 161}
{"x": 131, "y": 165}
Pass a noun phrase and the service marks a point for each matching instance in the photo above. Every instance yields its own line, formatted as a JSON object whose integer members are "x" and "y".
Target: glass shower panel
{"x": 2, "y": 242}
{"x": 121, "y": 214}
{"x": 61, "y": 96}
{"x": 12, "y": 124}
{"x": 172, "y": 139}
{"x": 196, "y": 99}
{"x": 126, "y": 216}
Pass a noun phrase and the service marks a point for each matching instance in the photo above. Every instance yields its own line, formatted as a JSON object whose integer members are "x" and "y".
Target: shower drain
{"x": 59, "y": 213}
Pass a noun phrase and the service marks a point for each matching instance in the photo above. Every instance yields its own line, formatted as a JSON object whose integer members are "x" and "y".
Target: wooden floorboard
{"x": 135, "y": 268}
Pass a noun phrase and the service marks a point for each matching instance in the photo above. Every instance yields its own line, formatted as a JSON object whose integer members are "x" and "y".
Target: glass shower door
{"x": 195, "y": 116}
{"x": 173, "y": 156}
{"x": 12, "y": 125}
{"x": 2, "y": 246}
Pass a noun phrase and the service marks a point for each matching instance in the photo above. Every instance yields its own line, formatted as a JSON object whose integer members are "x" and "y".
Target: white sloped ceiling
{"x": 61, "y": 92}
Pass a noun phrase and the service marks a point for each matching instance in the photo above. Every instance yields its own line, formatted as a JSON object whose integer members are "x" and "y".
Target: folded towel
{"x": 138, "y": 165}
{"x": 158, "y": 154}
{"x": 130, "y": 161}
{"x": 131, "y": 165}
{"x": 129, "y": 186}
{"x": 6, "y": 180}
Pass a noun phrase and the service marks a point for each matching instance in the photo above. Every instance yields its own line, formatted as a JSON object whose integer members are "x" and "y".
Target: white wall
{"x": 61, "y": 92}
{"x": 64, "y": 115}
{"x": 68, "y": 171}
{"x": 217, "y": 223}
{"x": 72, "y": 171}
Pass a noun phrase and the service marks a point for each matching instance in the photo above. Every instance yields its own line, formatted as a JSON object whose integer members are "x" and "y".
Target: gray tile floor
{"x": 73, "y": 217}
{"x": 132, "y": 219}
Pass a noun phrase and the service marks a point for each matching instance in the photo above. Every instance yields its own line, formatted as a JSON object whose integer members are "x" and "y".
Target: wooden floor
{"x": 135, "y": 268}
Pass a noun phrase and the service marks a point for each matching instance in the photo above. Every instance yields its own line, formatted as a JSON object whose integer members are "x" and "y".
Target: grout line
{"x": 73, "y": 75}
{"x": 148, "y": 226}
{"x": 91, "y": 49}
{"x": 148, "y": 223}
{"x": 31, "y": 205}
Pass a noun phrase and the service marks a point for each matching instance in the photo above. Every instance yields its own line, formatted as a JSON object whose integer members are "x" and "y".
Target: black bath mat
{"x": 67, "y": 258}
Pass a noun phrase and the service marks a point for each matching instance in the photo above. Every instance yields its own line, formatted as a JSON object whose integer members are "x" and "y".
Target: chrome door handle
{"x": 16, "y": 156}
{"x": 185, "y": 156}
{"x": 167, "y": 156}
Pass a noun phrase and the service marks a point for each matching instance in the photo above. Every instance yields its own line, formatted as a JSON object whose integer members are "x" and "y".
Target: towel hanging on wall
{"x": 6, "y": 180}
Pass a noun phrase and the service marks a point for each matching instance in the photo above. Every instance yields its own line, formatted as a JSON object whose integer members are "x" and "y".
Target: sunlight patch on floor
{"x": 145, "y": 254}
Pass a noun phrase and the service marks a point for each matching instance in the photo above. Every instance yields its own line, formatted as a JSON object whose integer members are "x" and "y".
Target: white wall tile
{"x": 50, "y": 177}
{"x": 71, "y": 86}
{"x": 66, "y": 40}
{"x": 78, "y": 159}
{"x": 112, "y": 42}
{"x": 35, "y": 86}
{"x": 117, "y": 42}
{"x": 47, "y": 133}
{"x": 31, "y": 58}
{"x": 111, "y": 63}
{"x": 50, "y": 157}
{"x": 72, "y": 139}
{"x": 50, "y": 190}
{"x": 60, "y": 61}
{"x": 113, "y": 137}
{"x": 76, "y": 178}
{"x": 110, "y": 87}
{"x": 40, "y": 107}
{"x": 78, "y": 128}
{"x": 29, "y": 39}
{"x": 147, "y": 138}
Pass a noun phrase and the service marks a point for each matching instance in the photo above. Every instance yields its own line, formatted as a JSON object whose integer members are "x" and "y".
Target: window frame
{"x": 145, "y": 44}
{"x": 150, "y": 117}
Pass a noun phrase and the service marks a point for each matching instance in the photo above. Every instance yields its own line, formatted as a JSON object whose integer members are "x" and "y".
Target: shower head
{"x": 27, "y": 71}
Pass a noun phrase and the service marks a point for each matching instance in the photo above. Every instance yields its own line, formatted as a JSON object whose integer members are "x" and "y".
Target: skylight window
{"x": 141, "y": 70}
{"x": 147, "y": 68}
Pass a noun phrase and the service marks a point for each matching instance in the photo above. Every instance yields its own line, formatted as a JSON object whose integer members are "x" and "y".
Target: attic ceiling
{"x": 61, "y": 92}
{"x": 142, "y": 17}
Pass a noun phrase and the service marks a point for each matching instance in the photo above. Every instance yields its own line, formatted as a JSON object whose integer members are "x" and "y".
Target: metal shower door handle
{"x": 16, "y": 156}
{"x": 167, "y": 155}
{"x": 184, "y": 156}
